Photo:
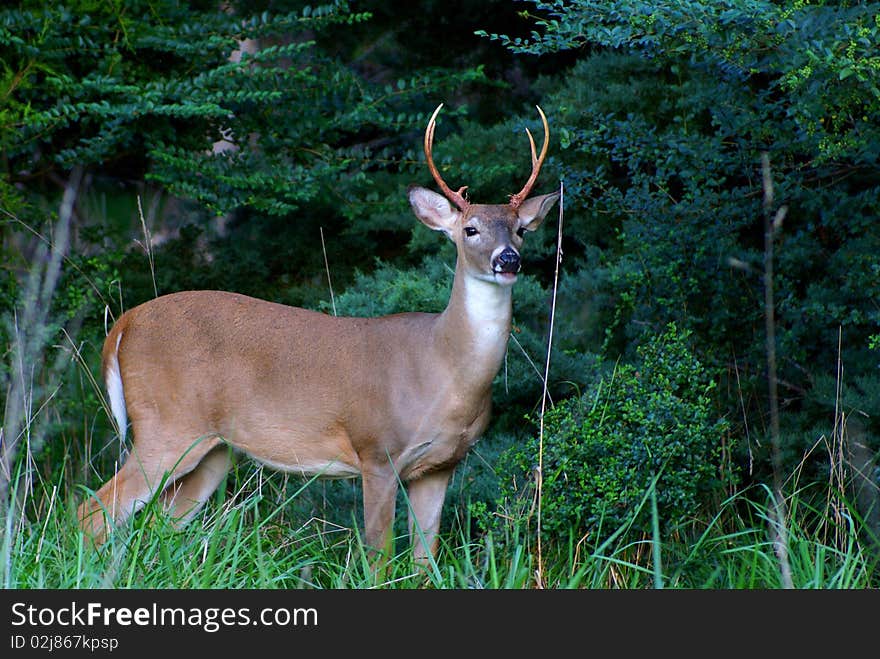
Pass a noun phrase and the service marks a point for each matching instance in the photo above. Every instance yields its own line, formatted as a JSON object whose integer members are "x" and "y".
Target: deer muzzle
{"x": 507, "y": 261}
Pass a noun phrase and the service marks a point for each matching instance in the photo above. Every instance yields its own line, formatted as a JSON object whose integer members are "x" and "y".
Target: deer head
{"x": 488, "y": 237}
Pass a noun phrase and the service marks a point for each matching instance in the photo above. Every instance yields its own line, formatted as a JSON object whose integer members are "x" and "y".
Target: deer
{"x": 206, "y": 377}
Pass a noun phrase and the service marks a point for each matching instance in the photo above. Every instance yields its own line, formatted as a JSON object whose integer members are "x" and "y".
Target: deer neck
{"x": 474, "y": 328}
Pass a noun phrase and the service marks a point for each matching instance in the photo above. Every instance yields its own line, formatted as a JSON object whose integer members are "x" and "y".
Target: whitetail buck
{"x": 399, "y": 398}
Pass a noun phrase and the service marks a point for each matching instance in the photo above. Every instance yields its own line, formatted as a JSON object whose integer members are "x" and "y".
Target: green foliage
{"x": 389, "y": 290}
{"x": 88, "y": 284}
{"x": 659, "y": 112}
{"x": 662, "y": 123}
{"x": 96, "y": 83}
{"x": 649, "y": 424}
{"x": 821, "y": 55}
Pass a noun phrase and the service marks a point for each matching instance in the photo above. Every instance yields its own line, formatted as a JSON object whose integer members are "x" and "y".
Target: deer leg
{"x": 426, "y": 496}
{"x": 380, "y": 494}
{"x": 186, "y": 496}
{"x": 115, "y": 501}
{"x": 146, "y": 470}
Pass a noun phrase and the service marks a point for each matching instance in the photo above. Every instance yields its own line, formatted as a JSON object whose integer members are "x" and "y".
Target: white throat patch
{"x": 487, "y": 305}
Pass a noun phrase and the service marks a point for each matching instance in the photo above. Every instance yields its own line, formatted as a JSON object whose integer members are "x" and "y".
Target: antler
{"x": 456, "y": 198}
{"x": 520, "y": 197}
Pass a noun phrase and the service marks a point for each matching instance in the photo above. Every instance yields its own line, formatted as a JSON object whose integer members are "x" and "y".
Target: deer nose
{"x": 507, "y": 261}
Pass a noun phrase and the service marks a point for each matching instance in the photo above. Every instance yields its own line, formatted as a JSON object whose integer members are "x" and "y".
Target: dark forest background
{"x": 194, "y": 170}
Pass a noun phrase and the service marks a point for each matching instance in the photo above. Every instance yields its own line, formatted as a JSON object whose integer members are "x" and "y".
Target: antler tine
{"x": 456, "y": 198}
{"x": 537, "y": 161}
{"x": 532, "y": 146}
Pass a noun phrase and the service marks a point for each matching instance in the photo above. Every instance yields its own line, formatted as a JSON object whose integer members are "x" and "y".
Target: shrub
{"x": 602, "y": 450}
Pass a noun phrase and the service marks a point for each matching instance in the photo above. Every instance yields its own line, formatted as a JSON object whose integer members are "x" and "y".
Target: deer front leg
{"x": 380, "y": 493}
{"x": 426, "y": 496}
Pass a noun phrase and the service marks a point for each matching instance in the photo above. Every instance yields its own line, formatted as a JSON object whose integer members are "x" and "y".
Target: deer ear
{"x": 433, "y": 209}
{"x": 533, "y": 210}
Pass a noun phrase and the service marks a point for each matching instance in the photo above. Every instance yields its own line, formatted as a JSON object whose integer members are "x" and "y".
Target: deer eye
{"x": 521, "y": 232}
{"x": 470, "y": 231}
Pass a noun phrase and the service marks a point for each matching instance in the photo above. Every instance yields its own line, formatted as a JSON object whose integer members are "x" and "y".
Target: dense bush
{"x": 648, "y": 424}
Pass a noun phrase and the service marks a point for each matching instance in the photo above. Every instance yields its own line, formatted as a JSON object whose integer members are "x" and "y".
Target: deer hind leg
{"x": 149, "y": 468}
{"x": 426, "y": 495}
{"x": 186, "y": 495}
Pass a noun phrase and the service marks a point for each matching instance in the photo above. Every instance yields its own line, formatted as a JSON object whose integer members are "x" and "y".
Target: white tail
{"x": 395, "y": 398}
{"x": 113, "y": 380}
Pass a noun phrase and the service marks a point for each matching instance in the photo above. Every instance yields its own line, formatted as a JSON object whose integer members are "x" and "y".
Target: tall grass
{"x": 248, "y": 539}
